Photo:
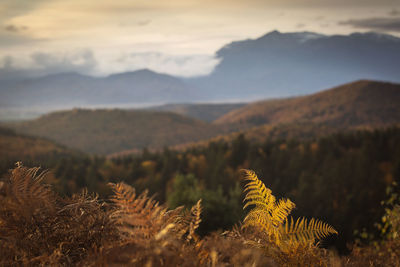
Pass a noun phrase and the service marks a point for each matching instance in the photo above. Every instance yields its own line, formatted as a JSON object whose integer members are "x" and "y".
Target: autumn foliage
{"x": 40, "y": 228}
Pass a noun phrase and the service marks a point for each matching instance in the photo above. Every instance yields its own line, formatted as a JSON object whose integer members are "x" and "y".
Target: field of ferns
{"x": 40, "y": 228}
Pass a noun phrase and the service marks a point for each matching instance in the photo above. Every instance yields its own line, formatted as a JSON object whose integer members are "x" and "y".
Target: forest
{"x": 41, "y": 228}
{"x": 341, "y": 179}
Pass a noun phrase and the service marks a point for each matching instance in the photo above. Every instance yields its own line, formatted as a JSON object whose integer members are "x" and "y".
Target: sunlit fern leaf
{"x": 195, "y": 223}
{"x": 303, "y": 230}
{"x": 270, "y": 216}
{"x": 257, "y": 193}
{"x": 259, "y": 196}
{"x": 260, "y": 219}
{"x": 281, "y": 211}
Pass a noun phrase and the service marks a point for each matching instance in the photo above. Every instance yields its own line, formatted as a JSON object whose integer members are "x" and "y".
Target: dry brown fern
{"x": 150, "y": 234}
{"x": 140, "y": 216}
{"x": 134, "y": 230}
{"x": 39, "y": 228}
{"x": 137, "y": 216}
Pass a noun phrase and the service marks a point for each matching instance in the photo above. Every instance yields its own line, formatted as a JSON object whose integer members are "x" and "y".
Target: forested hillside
{"x": 353, "y": 104}
{"x": 358, "y": 105}
{"x": 104, "y": 131}
{"x": 204, "y": 112}
{"x": 32, "y": 150}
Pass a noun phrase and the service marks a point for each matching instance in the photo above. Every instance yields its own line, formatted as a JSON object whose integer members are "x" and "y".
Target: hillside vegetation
{"x": 41, "y": 228}
{"x": 340, "y": 179}
{"x": 109, "y": 131}
{"x": 204, "y": 112}
{"x": 354, "y": 104}
{"x": 31, "y": 150}
{"x": 362, "y": 105}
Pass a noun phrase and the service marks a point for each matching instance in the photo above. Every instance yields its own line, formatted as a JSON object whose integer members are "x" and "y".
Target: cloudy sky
{"x": 179, "y": 37}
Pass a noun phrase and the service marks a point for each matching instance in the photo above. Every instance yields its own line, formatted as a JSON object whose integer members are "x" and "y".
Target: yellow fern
{"x": 303, "y": 230}
{"x": 195, "y": 222}
{"x": 271, "y": 216}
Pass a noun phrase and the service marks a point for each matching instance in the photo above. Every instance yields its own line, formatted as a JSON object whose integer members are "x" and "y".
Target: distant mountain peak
{"x": 273, "y": 33}
{"x": 134, "y": 72}
{"x": 145, "y": 70}
{"x": 71, "y": 74}
{"x": 376, "y": 36}
{"x": 137, "y": 73}
{"x": 299, "y": 36}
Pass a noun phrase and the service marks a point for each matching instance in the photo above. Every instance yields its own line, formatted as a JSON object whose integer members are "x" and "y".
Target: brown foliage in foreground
{"x": 39, "y": 228}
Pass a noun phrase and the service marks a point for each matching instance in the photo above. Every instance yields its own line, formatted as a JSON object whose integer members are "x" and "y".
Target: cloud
{"x": 382, "y": 24}
{"x": 130, "y": 23}
{"x": 15, "y": 28}
{"x": 11, "y": 39}
{"x": 394, "y": 12}
{"x": 180, "y": 65}
{"x": 82, "y": 61}
{"x": 144, "y": 22}
{"x": 12, "y": 35}
{"x": 8, "y": 70}
{"x": 300, "y": 25}
{"x": 40, "y": 64}
{"x": 13, "y": 8}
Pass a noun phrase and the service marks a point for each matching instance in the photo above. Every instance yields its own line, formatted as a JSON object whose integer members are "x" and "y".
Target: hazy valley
{"x": 357, "y": 105}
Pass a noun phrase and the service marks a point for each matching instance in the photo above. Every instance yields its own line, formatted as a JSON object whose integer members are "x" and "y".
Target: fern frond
{"x": 195, "y": 223}
{"x": 303, "y": 230}
{"x": 265, "y": 214}
{"x": 259, "y": 219}
{"x": 137, "y": 216}
{"x": 281, "y": 211}
{"x": 27, "y": 192}
{"x": 257, "y": 193}
{"x": 270, "y": 216}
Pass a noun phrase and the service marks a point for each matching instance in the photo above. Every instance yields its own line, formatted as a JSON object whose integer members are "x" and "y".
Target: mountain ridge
{"x": 106, "y": 131}
{"x": 286, "y": 64}
{"x": 69, "y": 90}
{"x": 355, "y": 103}
{"x": 358, "y": 105}
{"x": 273, "y": 65}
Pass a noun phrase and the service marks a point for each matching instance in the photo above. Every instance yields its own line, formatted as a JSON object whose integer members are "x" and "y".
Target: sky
{"x": 178, "y": 37}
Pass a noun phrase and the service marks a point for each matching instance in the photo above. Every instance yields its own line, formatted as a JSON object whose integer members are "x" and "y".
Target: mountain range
{"x": 73, "y": 89}
{"x": 287, "y": 64}
{"x": 358, "y": 105}
{"x": 274, "y": 65}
